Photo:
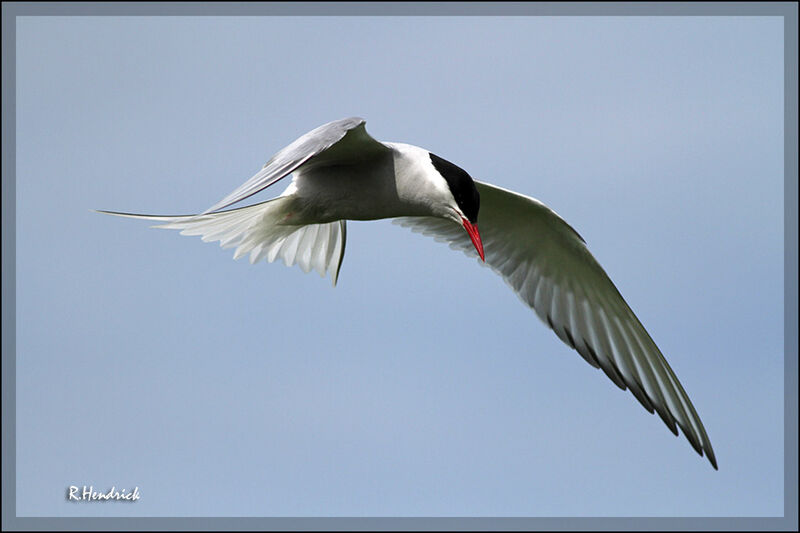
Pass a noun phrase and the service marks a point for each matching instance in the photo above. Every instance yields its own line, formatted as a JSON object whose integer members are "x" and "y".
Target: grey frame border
{"x": 788, "y": 10}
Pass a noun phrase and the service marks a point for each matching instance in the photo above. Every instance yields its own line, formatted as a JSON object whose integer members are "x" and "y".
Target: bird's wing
{"x": 550, "y": 268}
{"x": 336, "y": 142}
{"x": 252, "y": 230}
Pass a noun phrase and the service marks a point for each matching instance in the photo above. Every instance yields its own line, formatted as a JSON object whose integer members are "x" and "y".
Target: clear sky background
{"x": 420, "y": 386}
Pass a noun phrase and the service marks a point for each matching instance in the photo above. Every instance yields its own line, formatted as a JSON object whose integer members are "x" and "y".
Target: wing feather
{"x": 332, "y": 143}
{"x": 547, "y": 264}
{"x": 252, "y": 230}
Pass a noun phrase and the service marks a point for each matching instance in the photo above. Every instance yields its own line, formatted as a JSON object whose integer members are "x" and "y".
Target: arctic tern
{"x": 341, "y": 173}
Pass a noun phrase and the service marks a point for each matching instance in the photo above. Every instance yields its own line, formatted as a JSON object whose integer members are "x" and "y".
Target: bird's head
{"x": 463, "y": 201}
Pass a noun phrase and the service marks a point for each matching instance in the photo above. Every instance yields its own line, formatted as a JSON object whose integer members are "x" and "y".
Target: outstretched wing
{"x": 336, "y": 142}
{"x": 550, "y": 268}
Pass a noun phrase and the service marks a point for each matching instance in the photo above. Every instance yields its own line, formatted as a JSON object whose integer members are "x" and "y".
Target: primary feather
{"x": 255, "y": 230}
{"x": 547, "y": 264}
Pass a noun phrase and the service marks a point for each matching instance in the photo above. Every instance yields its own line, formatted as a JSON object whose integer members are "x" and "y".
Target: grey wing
{"x": 550, "y": 268}
{"x": 331, "y": 143}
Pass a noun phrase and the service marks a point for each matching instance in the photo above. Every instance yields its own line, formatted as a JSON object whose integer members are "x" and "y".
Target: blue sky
{"x": 420, "y": 386}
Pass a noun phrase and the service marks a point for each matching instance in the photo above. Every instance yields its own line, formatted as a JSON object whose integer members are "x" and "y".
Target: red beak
{"x": 472, "y": 230}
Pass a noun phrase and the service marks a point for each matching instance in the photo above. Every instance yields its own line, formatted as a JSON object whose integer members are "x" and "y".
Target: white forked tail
{"x": 256, "y": 230}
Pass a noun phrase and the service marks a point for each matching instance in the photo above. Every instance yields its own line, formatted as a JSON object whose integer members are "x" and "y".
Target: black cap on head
{"x": 461, "y": 185}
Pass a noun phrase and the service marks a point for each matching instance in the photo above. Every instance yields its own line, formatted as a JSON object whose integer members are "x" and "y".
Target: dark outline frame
{"x": 787, "y": 10}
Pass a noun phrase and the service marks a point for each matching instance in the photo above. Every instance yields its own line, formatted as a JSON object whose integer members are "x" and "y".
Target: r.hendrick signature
{"x": 88, "y": 494}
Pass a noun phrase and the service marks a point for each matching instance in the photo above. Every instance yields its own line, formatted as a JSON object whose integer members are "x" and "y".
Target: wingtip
{"x": 712, "y": 458}
{"x": 335, "y": 275}
{"x": 110, "y": 213}
{"x": 113, "y": 213}
{"x": 703, "y": 449}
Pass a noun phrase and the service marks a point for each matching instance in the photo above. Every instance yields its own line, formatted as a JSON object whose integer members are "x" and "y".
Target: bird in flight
{"x": 341, "y": 173}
